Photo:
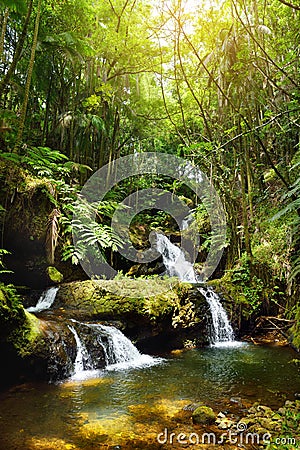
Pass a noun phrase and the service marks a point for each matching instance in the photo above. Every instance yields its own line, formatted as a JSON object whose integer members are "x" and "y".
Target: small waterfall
{"x": 221, "y": 332}
{"x": 93, "y": 340}
{"x": 45, "y": 301}
{"x": 118, "y": 348}
{"x": 82, "y": 360}
{"x": 174, "y": 260}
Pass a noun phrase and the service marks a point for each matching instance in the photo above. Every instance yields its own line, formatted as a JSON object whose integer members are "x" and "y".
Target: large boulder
{"x": 155, "y": 313}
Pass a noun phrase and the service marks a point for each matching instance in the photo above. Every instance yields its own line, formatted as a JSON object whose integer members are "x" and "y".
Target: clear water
{"x": 119, "y": 407}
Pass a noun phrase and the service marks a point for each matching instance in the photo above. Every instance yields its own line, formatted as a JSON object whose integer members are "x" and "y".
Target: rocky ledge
{"x": 156, "y": 314}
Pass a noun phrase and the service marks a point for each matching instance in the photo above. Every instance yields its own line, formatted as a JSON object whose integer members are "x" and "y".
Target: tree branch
{"x": 290, "y": 5}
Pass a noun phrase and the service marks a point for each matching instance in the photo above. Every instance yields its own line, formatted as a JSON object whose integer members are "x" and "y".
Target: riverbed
{"x": 113, "y": 407}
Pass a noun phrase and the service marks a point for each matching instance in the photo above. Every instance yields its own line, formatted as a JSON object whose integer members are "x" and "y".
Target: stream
{"x": 115, "y": 405}
{"x": 134, "y": 397}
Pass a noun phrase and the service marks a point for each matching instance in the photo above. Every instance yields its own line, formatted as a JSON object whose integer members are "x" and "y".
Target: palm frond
{"x": 52, "y": 234}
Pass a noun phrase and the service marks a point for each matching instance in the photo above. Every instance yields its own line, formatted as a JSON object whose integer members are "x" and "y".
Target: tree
{"x": 28, "y": 79}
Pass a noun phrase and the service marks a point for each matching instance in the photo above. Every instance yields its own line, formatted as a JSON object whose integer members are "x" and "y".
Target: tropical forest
{"x": 149, "y": 224}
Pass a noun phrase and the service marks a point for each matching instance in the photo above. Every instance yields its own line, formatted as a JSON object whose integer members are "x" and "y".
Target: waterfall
{"x": 93, "y": 339}
{"x": 45, "y": 301}
{"x": 82, "y": 360}
{"x": 220, "y": 331}
{"x": 174, "y": 260}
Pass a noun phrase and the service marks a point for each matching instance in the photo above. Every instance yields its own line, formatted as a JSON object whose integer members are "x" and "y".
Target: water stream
{"x": 117, "y": 406}
{"x": 118, "y": 350}
{"x": 220, "y": 332}
{"x": 45, "y": 301}
{"x": 174, "y": 260}
{"x": 134, "y": 396}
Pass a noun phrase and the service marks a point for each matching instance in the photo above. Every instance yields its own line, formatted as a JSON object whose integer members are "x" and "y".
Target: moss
{"x": 54, "y": 275}
{"x": 203, "y": 415}
{"x": 152, "y": 299}
{"x": 19, "y": 329}
{"x": 295, "y": 330}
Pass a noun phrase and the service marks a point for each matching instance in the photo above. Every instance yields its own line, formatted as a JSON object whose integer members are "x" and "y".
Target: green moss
{"x": 203, "y": 415}
{"x": 154, "y": 298}
{"x": 295, "y": 329}
{"x": 19, "y": 328}
{"x": 54, "y": 275}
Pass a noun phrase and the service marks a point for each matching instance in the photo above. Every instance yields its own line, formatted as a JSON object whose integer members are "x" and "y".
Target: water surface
{"x": 111, "y": 407}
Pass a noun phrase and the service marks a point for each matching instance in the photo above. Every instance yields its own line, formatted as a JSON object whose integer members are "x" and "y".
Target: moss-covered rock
{"x": 204, "y": 415}
{"x": 106, "y": 298}
{"x": 294, "y": 331}
{"x": 166, "y": 312}
{"x": 20, "y": 334}
{"x": 28, "y": 203}
{"x": 54, "y": 275}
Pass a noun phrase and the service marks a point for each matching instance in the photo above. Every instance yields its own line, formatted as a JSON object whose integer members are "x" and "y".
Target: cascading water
{"x": 45, "y": 301}
{"x": 174, "y": 260}
{"x": 117, "y": 349}
{"x": 82, "y": 360}
{"x": 221, "y": 331}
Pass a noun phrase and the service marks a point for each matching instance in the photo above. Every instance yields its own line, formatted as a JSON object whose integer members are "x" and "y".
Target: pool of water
{"x": 111, "y": 408}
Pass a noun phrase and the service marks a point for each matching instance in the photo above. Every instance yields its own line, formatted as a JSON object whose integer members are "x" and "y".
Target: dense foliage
{"x": 83, "y": 83}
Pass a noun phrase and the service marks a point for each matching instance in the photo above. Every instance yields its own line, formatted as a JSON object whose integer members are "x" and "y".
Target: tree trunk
{"x": 19, "y": 47}
{"x": 245, "y": 212}
{"x": 28, "y": 80}
{"x": 3, "y": 31}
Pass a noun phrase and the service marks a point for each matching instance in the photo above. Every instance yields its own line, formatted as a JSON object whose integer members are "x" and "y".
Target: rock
{"x": 203, "y": 415}
{"x": 150, "y": 310}
{"x": 245, "y": 423}
{"x": 236, "y": 400}
{"x": 54, "y": 275}
{"x": 265, "y": 411}
{"x": 276, "y": 416}
{"x": 192, "y": 406}
{"x": 224, "y": 423}
{"x": 289, "y": 404}
{"x": 266, "y": 423}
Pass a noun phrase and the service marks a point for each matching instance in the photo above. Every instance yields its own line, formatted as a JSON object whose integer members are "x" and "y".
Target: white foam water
{"x": 119, "y": 352}
{"x": 221, "y": 333}
{"x": 45, "y": 301}
{"x": 174, "y": 260}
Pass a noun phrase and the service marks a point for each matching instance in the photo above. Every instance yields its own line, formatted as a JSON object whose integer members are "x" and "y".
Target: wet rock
{"x": 156, "y": 314}
{"x": 54, "y": 275}
{"x": 192, "y": 406}
{"x": 224, "y": 423}
{"x": 236, "y": 400}
{"x": 289, "y": 404}
{"x": 203, "y": 415}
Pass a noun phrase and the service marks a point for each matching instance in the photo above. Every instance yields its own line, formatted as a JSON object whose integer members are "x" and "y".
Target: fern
{"x": 91, "y": 235}
{"x": 3, "y": 252}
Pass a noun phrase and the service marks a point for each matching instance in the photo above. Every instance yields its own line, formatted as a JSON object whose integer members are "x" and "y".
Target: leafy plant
{"x": 292, "y": 198}
{"x": 3, "y": 269}
{"x": 89, "y": 231}
{"x": 250, "y": 285}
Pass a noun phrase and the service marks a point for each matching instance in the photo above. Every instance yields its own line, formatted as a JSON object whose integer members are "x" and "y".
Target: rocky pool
{"x": 126, "y": 407}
